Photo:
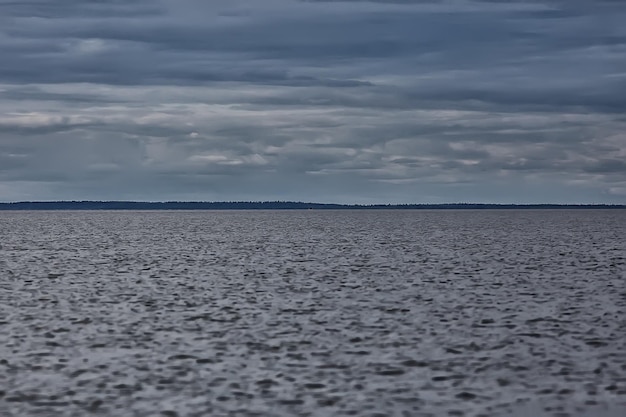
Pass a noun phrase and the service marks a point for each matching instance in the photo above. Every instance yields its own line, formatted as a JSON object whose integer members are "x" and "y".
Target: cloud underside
{"x": 347, "y": 101}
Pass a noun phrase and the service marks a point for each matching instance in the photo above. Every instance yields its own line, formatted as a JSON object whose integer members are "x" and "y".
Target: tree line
{"x": 275, "y": 205}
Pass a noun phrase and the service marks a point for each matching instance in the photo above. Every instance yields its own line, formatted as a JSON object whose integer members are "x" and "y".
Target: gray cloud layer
{"x": 346, "y": 101}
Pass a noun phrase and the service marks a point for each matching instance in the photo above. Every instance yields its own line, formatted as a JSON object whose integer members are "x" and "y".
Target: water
{"x": 313, "y": 313}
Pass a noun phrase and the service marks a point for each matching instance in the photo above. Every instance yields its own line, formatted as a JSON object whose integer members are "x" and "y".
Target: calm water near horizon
{"x": 313, "y": 313}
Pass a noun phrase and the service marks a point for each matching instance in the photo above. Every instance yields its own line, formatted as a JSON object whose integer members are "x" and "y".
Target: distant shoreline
{"x": 277, "y": 205}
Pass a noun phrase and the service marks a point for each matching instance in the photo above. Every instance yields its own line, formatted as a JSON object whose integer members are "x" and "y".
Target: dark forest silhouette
{"x": 275, "y": 205}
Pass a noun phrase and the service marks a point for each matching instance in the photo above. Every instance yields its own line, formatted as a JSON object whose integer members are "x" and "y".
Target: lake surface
{"x": 313, "y": 313}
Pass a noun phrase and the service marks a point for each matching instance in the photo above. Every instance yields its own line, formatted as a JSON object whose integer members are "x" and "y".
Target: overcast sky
{"x": 332, "y": 101}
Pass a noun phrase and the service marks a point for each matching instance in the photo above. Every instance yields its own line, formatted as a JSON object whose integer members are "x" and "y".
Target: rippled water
{"x": 313, "y": 313}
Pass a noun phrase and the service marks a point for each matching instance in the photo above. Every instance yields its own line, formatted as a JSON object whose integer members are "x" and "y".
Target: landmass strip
{"x": 276, "y": 205}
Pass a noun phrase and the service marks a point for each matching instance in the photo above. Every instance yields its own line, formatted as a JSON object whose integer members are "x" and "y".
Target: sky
{"x": 353, "y": 101}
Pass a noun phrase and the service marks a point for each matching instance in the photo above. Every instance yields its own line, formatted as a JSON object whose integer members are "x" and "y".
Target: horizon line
{"x": 274, "y": 204}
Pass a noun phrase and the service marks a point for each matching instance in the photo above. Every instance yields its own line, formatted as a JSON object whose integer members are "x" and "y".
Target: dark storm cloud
{"x": 79, "y": 8}
{"x": 316, "y": 100}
